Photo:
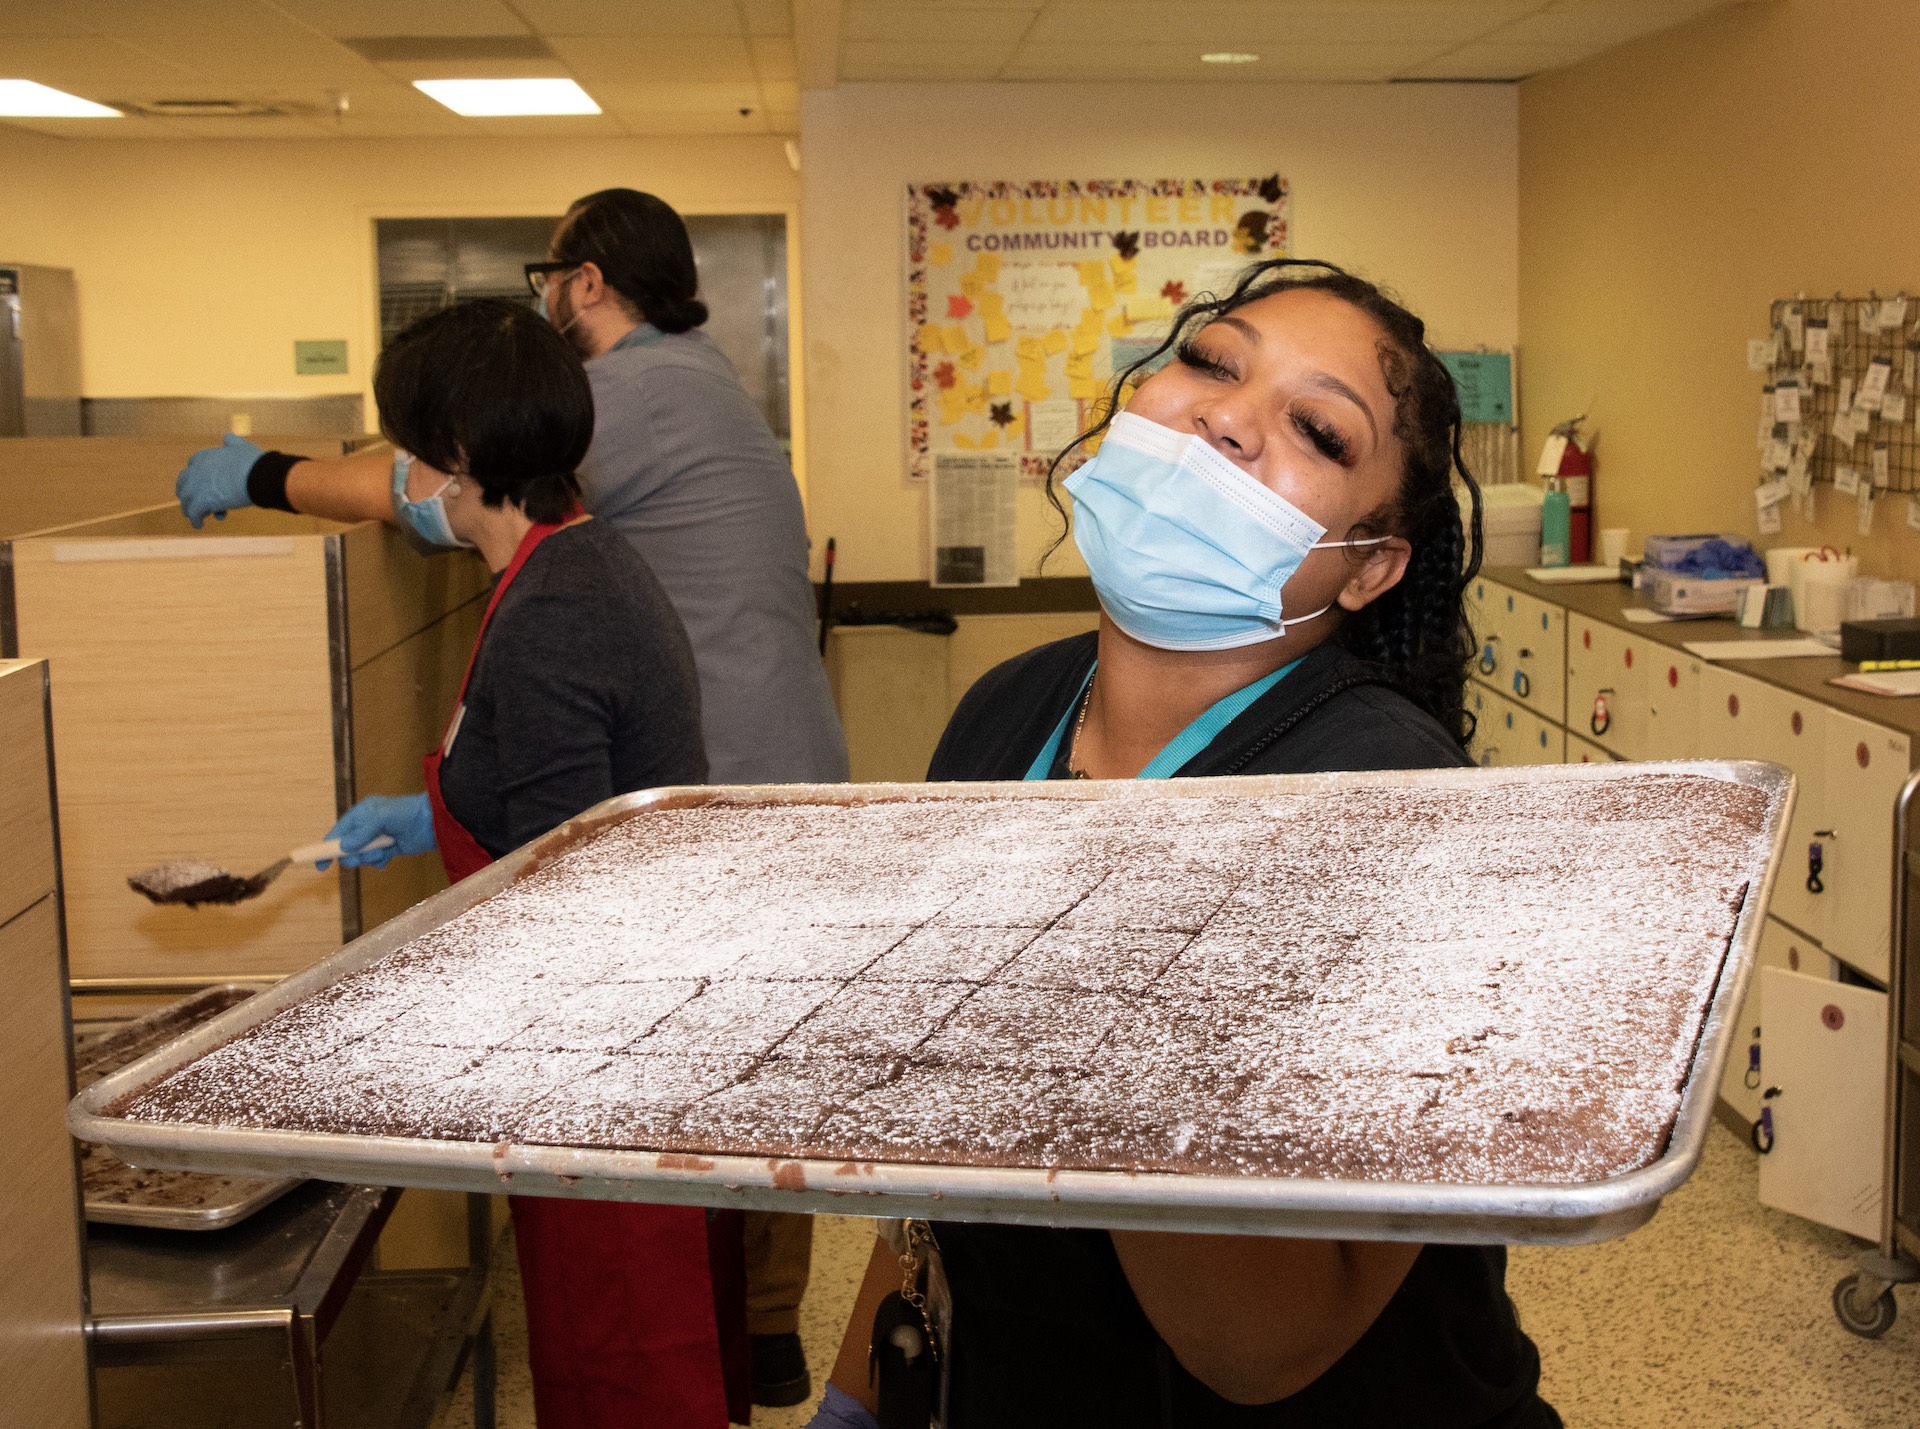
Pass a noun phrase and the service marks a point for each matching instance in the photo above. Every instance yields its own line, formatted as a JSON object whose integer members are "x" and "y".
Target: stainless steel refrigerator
{"x": 39, "y": 352}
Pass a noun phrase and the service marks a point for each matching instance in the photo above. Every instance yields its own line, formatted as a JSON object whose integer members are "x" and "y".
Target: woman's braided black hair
{"x": 1417, "y": 633}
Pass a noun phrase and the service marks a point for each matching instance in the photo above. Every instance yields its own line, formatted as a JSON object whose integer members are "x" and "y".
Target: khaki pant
{"x": 779, "y": 1257}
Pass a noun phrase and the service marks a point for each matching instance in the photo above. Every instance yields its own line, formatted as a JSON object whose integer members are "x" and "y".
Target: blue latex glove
{"x": 407, "y": 820}
{"x": 214, "y": 481}
{"x": 840, "y": 1410}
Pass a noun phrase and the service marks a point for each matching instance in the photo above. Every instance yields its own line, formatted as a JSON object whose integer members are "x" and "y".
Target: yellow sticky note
{"x": 957, "y": 339}
{"x": 993, "y": 302}
{"x": 1000, "y": 383}
{"x": 1032, "y": 349}
{"x": 1084, "y": 343}
{"x": 952, "y": 411}
{"x": 1090, "y": 321}
{"x": 1056, "y": 341}
{"x": 964, "y": 442}
{"x": 930, "y": 337}
{"x": 977, "y": 401}
{"x": 987, "y": 265}
{"x": 1100, "y": 296}
{"x": 939, "y": 254}
{"x": 1080, "y": 365}
{"x": 1126, "y": 275}
{"x": 989, "y": 441}
{"x": 1120, "y": 324}
{"x": 1149, "y": 309}
{"x": 1083, "y": 389}
{"x": 1033, "y": 386}
{"x": 973, "y": 356}
{"x": 972, "y": 284}
{"x": 998, "y": 328}
{"x": 1014, "y": 430}
{"x": 1092, "y": 271}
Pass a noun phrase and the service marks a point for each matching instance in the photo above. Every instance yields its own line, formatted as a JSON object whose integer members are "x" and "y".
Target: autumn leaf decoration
{"x": 1126, "y": 243}
{"x": 1001, "y": 414}
{"x": 943, "y": 201}
{"x": 1271, "y": 190}
{"x": 1174, "y": 291}
{"x": 959, "y": 305}
{"x": 945, "y": 376}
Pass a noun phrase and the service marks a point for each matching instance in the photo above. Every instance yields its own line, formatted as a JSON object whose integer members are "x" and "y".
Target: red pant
{"x": 636, "y": 1315}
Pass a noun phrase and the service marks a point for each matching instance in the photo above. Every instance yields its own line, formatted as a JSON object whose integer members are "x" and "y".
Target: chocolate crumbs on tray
{"x": 1497, "y": 982}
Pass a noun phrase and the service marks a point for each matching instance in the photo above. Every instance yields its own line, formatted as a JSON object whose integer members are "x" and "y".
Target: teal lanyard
{"x": 1183, "y": 746}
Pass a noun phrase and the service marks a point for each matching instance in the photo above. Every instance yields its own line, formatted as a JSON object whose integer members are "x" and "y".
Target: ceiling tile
{"x": 767, "y": 18}
{"x": 545, "y": 126}
{"x": 1491, "y": 61}
{"x": 783, "y": 121}
{"x": 1277, "y": 64}
{"x": 674, "y": 96}
{"x": 780, "y": 94}
{"x": 958, "y": 58}
{"x": 626, "y": 57}
{"x": 407, "y": 72}
{"x": 99, "y": 70}
{"x": 654, "y": 18}
{"x": 1597, "y": 25}
{"x": 344, "y": 18}
{"x": 934, "y": 27}
{"x": 128, "y": 128}
{"x": 773, "y": 58}
{"x": 1247, "y": 25}
{"x": 664, "y": 123}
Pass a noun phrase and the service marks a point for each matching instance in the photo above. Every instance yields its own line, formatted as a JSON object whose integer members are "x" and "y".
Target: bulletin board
{"x": 1839, "y": 404}
{"x": 1024, "y": 298}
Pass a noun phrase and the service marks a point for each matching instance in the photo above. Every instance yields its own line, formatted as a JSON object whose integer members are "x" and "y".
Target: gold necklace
{"x": 1080, "y": 724}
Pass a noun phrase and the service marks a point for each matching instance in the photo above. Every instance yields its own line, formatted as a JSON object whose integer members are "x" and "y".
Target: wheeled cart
{"x": 1864, "y": 1299}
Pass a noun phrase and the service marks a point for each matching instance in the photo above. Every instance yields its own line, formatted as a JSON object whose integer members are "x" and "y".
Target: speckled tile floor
{"x": 1714, "y": 1314}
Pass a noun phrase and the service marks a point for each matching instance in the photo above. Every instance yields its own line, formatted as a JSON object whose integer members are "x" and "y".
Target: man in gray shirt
{"x": 684, "y": 465}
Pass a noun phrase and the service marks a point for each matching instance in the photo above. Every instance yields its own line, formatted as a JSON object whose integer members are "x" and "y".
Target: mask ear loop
{"x": 1359, "y": 541}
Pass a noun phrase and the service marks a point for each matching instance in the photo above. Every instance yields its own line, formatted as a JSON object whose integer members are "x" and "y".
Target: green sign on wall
{"x": 321, "y": 358}
{"x": 1485, "y": 380}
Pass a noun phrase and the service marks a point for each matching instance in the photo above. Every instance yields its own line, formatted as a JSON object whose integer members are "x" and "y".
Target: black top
{"x": 1046, "y": 1329}
{"x": 584, "y": 688}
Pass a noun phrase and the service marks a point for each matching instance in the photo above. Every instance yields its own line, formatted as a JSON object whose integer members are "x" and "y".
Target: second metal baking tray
{"x": 1346, "y": 1209}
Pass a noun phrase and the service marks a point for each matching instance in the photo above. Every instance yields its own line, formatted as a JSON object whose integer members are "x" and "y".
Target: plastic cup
{"x": 1613, "y": 545}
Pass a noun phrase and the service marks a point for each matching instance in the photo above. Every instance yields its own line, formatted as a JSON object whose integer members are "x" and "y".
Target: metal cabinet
{"x": 1606, "y": 687}
{"x": 1585, "y": 751}
{"x": 1825, "y": 1067}
{"x": 1507, "y": 733}
{"x": 1673, "y": 704}
{"x": 1865, "y": 766}
{"x": 1523, "y": 643}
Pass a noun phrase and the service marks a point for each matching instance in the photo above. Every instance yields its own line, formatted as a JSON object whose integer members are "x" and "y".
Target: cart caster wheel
{"x": 1870, "y": 1319}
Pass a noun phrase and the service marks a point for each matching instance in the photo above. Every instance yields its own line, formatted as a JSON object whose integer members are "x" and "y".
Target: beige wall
{"x": 1668, "y": 191}
{"x": 1411, "y": 184}
{"x": 200, "y": 262}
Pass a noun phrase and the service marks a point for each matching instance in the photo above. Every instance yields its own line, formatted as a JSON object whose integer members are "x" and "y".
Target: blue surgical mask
{"x": 427, "y": 519}
{"x": 1186, "y": 550}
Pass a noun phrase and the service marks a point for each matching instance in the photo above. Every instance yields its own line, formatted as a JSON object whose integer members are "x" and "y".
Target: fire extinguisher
{"x": 1570, "y": 458}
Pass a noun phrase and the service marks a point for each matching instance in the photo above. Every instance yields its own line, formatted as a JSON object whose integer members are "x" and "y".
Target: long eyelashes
{"x": 1327, "y": 439}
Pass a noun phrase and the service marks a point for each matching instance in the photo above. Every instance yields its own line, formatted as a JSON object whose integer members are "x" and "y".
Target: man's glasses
{"x": 538, "y": 273}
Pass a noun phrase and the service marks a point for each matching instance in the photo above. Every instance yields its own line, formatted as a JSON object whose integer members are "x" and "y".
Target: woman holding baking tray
{"x": 581, "y": 686}
{"x": 1271, "y": 527}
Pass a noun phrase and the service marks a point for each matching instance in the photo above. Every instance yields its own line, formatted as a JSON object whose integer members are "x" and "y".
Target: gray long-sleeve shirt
{"x": 684, "y": 465}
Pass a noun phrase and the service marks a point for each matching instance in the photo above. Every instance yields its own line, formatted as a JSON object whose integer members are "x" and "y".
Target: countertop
{"x": 1804, "y": 675}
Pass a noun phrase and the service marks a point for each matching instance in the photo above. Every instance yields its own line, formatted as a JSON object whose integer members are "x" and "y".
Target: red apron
{"x": 636, "y": 1315}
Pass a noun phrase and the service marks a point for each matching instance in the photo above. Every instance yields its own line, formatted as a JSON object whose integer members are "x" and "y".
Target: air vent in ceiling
{"x": 444, "y": 49}
{"x": 215, "y": 108}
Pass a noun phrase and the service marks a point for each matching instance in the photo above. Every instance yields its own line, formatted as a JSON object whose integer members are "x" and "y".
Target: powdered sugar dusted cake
{"x": 1488, "y": 982}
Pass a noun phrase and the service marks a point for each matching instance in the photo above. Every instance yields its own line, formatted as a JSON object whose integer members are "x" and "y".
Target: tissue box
{"x": 1690, "y": 595}
{"x": 1669, "y": 551}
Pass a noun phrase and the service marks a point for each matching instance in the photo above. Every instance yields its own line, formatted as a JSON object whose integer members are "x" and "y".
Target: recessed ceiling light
{"x": 23, "y": 99}
{"x": 490, "y": 98}
{"x": 1228, "y": 57}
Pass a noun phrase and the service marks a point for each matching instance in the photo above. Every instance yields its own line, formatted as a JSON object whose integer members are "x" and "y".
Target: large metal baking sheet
{"x": 1375, "y": 1210}
{"x": 164, "y": 1199}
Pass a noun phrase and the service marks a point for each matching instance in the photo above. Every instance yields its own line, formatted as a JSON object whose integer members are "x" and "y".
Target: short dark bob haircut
{"x": 486, "y": 389}
{"x": 641, "y": 247}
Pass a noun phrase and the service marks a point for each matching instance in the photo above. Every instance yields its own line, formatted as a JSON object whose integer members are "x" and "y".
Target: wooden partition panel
{"x": 193, "y": 717}
{"x": 56, "y": 481}
{"x": 43, "y": 1356}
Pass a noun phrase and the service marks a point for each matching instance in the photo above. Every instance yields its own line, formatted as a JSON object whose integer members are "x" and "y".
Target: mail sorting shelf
{"x": 1863, "y": 1300}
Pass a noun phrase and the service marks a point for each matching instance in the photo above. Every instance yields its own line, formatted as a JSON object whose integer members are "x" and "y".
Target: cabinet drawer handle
{"x": 1488, "y": 660}
{"x": 1602, "y": 718}
{"x": 1522, "y": 686}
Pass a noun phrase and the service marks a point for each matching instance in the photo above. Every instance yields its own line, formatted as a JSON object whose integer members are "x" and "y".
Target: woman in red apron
{"x": 581, "y": 686}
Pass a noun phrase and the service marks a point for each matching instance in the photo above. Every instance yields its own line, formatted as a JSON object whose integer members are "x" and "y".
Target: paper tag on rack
{"x": 1786, "y": 402}
{"x": 1793, "y": 323}
{"x": 1761, "y": 352}
{"x": 1842, "y": 428}
{"x": 1913, "y": 512}
{"x": 1770, "y": 520}
{"x": 1770, "y": 493}
{"x": 1804, "y": 503}
{"x": 1844, "y": 402}
{"x": 1799, "y": 479}
{"x": 1869, "y": 319}
{"x": 1846, "y": 480}
{"x": 1874, "y": 385}
{"x": 1550, "y": 455}
{"x": 1765, "y": 433}
{"x": 1776, "y": 456}
{"x": 1819, "y": 374}
{"x": 1880, "y": 464}
{"x": 1893, "y": 407}
{"x": 1816, "y": 340}
{"x": 1865, "y": 524}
